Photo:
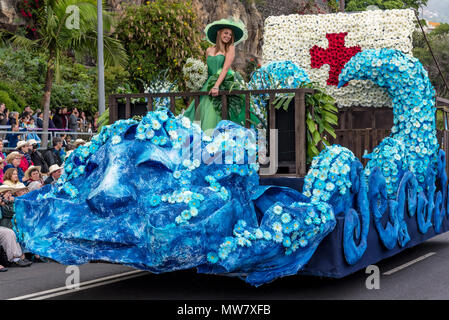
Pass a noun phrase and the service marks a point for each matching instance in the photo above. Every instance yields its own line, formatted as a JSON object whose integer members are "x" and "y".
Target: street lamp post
{"x": 100, "y": 60}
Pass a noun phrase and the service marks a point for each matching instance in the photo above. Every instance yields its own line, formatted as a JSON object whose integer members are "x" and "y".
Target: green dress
{"x": 208, "y": 112}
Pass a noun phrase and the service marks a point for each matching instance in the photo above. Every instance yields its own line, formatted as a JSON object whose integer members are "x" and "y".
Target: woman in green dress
{"x": 225, "y": 34}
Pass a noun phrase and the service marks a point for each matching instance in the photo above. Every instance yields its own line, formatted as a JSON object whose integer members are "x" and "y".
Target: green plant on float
{"x": 160, "y": 35}
{"x": 321, "y": 118}
{"x": 103, "y": 120}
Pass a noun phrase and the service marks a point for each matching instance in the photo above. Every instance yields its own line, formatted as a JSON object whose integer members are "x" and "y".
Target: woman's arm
{"x": 229, "y": 59}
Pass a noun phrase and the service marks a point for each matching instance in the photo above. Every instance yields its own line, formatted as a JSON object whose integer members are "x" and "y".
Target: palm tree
{"x": 57, "y": 36}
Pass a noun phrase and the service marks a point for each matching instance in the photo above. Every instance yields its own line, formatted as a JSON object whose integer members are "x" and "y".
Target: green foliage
{"x": 10, "y": 103}
{"x": 439, "y": 42}
{"x": 14, "y": 95}
{"x": 361, "y": 5}
{"x": 103, "y": 120}
{"x": 22, "y": 76}
{"x": 160, "y": 35}
{"x": 333, "y": 5}
{"x": 321, "y": 117}
{"x": 442, "y": 29}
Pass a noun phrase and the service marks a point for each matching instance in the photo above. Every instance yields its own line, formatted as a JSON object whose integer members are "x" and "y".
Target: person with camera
{"x": 36, "y": 156}
{"x": 7, "y": 206}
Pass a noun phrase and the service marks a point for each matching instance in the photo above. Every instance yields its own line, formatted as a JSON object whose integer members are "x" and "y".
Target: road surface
{"x": 417, "y": 273}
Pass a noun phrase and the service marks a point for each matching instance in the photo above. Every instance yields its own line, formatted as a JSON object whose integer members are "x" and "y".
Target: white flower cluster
{"x": 195, "y": 74}
{"x": 292, "y": 37}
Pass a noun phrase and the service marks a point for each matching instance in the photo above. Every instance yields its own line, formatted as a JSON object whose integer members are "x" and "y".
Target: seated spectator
{"x": 11, "y": 178}
{"x": 14, "y": 253}
{"x": 79, "y": 142}
{"x": 2, "y": 166}
{"x": 52, "y": 155}
{"x": 2, "y": 154}
{"x": 34, "y": 178}
{"x": 7, "y": 206}
{"x": 20, "y": 190}
{"x": 36, "y": 156}
{"x": 55, "y": 172}
{"x": 23, "y": 148}
{"x": 13, "y": 161}
{"x": 69, "y": 149}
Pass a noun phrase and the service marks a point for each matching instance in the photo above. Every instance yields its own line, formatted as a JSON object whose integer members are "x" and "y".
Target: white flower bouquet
{"x": 195, "y": 74}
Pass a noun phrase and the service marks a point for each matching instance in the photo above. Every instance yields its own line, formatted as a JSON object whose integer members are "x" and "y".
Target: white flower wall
{"x": 300, "y": 37}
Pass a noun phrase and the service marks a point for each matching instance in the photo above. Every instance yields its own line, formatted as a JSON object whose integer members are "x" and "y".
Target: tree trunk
{"x": 46, "y": 98}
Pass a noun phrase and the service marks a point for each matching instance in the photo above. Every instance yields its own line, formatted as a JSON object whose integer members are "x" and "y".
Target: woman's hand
{"x": 214, "y": 91}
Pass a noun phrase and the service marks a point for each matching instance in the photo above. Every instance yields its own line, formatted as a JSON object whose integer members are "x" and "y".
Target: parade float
{"x": 136, "y": 195}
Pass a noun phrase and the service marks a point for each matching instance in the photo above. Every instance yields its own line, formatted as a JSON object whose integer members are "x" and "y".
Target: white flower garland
{"x": 291, "y": 38}
{"x": 195, "y": 74}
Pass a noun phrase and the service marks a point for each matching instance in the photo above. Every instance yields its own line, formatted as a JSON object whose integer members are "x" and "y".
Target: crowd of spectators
{"x": 26, "y": 168}
{"x": 30, "y": 122}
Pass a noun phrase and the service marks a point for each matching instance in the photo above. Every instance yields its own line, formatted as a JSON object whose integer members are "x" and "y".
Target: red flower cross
{"x": 336, "y": 56}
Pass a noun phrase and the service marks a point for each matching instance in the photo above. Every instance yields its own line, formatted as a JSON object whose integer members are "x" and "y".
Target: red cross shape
{"x": 336, "y": 56}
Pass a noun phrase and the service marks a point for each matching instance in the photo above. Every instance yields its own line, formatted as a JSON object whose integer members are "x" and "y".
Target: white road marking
{"x": 82, "y": 286}
{"x": 405, "y": 265}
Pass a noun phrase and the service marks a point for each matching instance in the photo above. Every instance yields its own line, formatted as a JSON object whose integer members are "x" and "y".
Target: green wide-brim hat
{"x": 238, "y": 28}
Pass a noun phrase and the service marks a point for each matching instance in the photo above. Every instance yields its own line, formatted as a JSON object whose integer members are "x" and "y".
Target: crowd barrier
{"x": 33, "y": 134}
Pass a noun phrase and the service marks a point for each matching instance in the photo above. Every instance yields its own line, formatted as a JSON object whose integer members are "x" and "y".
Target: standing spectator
{"x": 55, "y": 172}
{"x": 13, "y": 118}
{"x": 13, "y": 161}
{"x": 65, "y": 118}
{"x": 57, "y": 119}
{"x": 83, "y": 122}
{"x": 3, "y": 115}
{"x": 36, "y": 114}
{"x": 14, "y": 254}
{"x": 36, "y": 156}
{"x": 52, "y": 155}
{"x": 34, "y": 177}
{"x": 31, "y": 131}
{"x": 28, "y": 110}
{"x": 22, "y": 148}
{"x": 95, "y": 124}
{"x": 13, "y": 137}
{"x": 73, "y": 120}
{"x": 40, "y": 119}
{"x": 2, "y": 109}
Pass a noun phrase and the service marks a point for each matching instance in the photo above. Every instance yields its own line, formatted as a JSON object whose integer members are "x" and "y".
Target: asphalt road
{"x": 418, "y": 273}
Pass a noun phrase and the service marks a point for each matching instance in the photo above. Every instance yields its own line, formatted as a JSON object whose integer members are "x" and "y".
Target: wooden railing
{"x": 375, "y": 122}
{"x": 299, "y": 105}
